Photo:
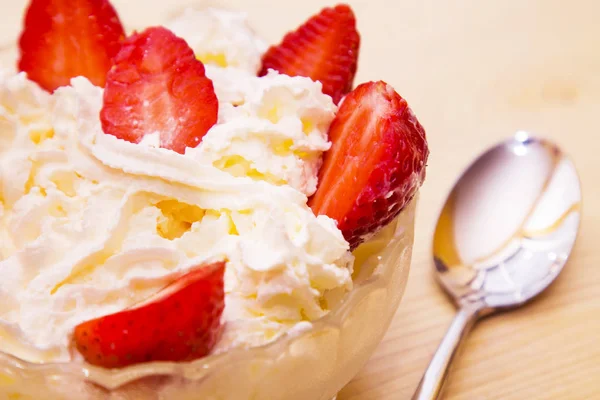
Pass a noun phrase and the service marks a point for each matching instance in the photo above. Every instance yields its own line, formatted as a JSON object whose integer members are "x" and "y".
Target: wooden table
{"x": 474, "y": 72}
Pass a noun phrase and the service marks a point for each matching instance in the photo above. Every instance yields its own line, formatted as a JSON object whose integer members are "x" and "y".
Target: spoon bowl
{"x": 502, "y": 237}
{"x": 509, "y": 224}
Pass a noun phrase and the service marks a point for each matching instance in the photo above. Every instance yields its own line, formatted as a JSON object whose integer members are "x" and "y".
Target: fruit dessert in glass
{"x": 186, "y": 213}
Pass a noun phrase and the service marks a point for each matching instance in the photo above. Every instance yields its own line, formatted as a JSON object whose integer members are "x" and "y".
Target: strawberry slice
{"x": 181, "y": 322}
{"x": 158, "y": 86}
{"x": 62, "y": 39}
{"x": 324, "y": 49}
{"x": 376, "y": 162}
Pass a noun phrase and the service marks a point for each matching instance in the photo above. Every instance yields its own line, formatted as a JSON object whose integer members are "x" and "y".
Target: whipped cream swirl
{"x": 91, "y": 224}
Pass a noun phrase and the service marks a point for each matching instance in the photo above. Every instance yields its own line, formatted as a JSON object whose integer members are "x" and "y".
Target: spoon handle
{"x": 432, "y": 382}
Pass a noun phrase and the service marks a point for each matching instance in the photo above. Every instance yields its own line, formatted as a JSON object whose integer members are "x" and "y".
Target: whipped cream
{"x": 220, "y": 37}
{"x": 90, "y": 224}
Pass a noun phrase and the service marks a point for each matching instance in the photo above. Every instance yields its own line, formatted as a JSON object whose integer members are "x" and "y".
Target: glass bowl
{"x": 314, "y": 364}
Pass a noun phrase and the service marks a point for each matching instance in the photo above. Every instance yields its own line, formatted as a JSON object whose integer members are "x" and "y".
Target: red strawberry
{"x": 158, "y": 85}
{"x": 181, "y": 322}
{"x": 324, "y": 49}
{"x": 376, "y": 162}
{"x": 63, "y": 39}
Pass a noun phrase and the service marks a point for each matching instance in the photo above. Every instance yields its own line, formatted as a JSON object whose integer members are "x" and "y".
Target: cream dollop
{"x": 272, "y": 128}
{"x": 91, "y": 224}
{"x": 220, "y": 37}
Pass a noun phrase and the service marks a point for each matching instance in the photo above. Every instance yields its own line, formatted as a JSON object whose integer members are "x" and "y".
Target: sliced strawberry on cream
{"x": 62, "y": 39}
{"x": 325, "y": 49}
{"x": 158, "y": 87}
{"x": 181, "y": 322}
{"x": 376, "y": 162}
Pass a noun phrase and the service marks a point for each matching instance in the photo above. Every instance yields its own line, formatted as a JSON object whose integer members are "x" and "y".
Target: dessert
{"x": 138, "y": 198}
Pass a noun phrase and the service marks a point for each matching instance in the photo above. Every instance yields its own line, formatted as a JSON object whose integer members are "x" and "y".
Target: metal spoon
{"x": 503, "y": 236}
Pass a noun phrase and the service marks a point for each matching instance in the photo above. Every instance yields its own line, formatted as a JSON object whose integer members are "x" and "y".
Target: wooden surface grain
{"x": 474, "y": 72}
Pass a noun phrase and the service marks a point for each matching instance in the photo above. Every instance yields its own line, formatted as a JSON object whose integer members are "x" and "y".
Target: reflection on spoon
{"x": 502, "y": 237}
